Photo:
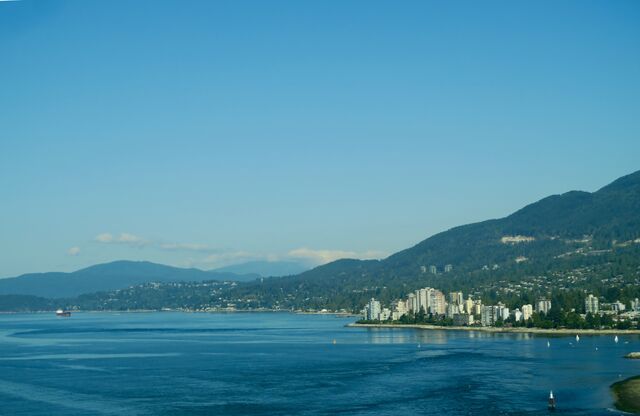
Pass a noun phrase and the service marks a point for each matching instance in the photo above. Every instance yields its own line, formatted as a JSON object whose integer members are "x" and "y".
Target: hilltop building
{"x": 448, "y": 268}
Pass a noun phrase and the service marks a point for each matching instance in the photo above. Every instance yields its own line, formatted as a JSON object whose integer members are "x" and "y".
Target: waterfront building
{"x": 385, "y": 314}
{"x": 543, "y": 306}
{"x": 517, "y": 315}
{"x": 456, "y": 298}
{"x": 468, "y": 306}
{"x": 462, "y": 319}
{"x": 618, "y": 306}
{"x": 412, "y": 303}
{"x": 448, "y": 268}
{"x": 477, "y": 307}
{"x": 422, "y": 296}
{"x": 527, "y": 311}
{"x": 452, "y": 310}
{"x": 399, "y": 309}
{"x": 591, "y": 304}
{"x": 372, "y": 310}
{"x": 437, "y": 302}
{"x": 501, "y": 312}
{"x": 487, "y": 316}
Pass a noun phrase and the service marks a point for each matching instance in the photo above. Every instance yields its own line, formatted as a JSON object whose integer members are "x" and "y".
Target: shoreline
{"x": 492, "y": 329}
{"x": 219, "y": 311}
{"x": 626, "y": 394}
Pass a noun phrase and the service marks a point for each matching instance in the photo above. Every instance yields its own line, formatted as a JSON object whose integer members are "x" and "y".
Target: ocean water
{"x": 287, "y": 364}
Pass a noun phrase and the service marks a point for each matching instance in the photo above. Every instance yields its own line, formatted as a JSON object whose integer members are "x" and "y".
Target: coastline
{"x": 626, "y": 394}
{"x": 492, "y": 329}
{"x": 220, "y": 311}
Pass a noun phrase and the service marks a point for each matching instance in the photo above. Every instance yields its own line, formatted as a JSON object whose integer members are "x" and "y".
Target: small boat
{"x": 548, "y": 344}
{"x": 63, "y": 313}
{"x": 334, "y": 342}
{"x": 552, "y": 401}
{"x": 616, "y": 339}
{"x": 577, "y": 338}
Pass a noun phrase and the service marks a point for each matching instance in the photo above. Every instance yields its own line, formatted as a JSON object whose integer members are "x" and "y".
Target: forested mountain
{"x": 561, "y": 245}
{"x": 108, "y": 276}
{"x": 597, "y": 231}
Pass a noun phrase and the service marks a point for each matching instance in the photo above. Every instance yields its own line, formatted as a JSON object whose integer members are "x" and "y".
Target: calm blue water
{"x": 285, "y": 364}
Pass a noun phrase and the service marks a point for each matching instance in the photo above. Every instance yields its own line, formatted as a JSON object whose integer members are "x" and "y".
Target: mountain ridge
{"x": 107, "y": 276}
{"x": 552, "y": 231}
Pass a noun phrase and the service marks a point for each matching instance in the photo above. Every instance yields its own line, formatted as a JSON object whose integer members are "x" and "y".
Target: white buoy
{"x": 548, "y": 344}
{"x": 577, "y": 338}
{"x": 616, "y": 339}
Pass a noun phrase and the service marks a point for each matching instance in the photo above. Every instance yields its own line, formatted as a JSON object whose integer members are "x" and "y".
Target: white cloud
{"x": 123, "y": 238}
{"x": 225, "y": 258}
{"x": 74, "y": 251}
{"x": 187, "y": 247}
{"x": 327, "y": 256}
{"x": 104, "y": 238}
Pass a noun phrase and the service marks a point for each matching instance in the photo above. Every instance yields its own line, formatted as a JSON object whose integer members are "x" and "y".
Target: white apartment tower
{"x": 591, "y": 304}
{"x": 543, "y": 306}
{"x": 373, "y": 310}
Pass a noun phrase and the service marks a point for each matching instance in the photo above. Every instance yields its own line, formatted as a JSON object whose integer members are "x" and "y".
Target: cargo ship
{"x": 63, "y": 313}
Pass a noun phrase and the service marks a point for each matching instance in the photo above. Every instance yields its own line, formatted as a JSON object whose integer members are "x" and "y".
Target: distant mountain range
{"x": 122, "y": 274}
{"x": 596, "y": 233}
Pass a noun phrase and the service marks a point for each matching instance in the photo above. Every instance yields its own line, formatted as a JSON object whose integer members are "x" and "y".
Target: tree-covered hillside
{"x": 562, "y": 246}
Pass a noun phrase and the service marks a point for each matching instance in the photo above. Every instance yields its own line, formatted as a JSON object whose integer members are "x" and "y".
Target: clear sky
{"x": 207, "y": 133}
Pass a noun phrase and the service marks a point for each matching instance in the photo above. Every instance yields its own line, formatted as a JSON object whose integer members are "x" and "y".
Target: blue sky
{"x": 208, "y": 133}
